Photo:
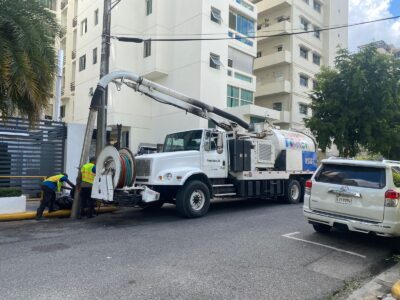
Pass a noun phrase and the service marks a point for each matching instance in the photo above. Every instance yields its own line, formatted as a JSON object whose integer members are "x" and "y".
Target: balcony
{"x": 74, "y": 22}
{"x": 278, "y": 28}
{"x": 73, "y": 54}
{"x": 274, "y": 88}
{"x": 263, "y": 62}
{"x": 272, "y": 5}
{"x": 251, "y": 110}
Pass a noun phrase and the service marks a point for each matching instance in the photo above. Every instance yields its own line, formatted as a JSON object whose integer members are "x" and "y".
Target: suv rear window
{"x": 374, "y": 178}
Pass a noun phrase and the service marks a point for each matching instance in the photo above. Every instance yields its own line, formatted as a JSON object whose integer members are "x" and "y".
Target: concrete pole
{"x": 104, "y": 69}
{"x": 57, "y": 102}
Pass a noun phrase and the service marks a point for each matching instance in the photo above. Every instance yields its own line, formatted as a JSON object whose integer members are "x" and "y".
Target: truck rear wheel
{"x": 293, "y": 192}
{"x": 193, "y": 199}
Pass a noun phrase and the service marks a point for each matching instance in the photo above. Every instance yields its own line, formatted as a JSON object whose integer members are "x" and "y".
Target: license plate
{"x": 343, "y": 200}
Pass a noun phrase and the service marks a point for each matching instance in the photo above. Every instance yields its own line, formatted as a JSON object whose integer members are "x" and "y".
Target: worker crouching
{"x": 49, "y": 187}
{"x": 88, "y": 172}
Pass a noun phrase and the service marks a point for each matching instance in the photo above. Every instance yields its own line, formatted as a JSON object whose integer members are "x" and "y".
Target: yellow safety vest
{"x": 87, "y": 174}
{"x": 56, "y": 179}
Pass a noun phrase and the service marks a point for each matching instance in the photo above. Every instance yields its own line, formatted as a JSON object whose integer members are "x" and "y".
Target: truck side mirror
{"x": 220, "y": 143}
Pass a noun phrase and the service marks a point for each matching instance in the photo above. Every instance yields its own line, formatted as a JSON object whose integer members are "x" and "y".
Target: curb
{"x": 396, "y": 290}
{"x": 57, "y": 214}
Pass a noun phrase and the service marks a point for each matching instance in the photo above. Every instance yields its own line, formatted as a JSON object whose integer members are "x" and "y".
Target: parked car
{"x": 358, "y": 195}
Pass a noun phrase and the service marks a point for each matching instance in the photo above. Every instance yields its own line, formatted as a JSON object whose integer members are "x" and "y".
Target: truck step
{"x": 225, "y": 194}
{"x": 222, "y": 185}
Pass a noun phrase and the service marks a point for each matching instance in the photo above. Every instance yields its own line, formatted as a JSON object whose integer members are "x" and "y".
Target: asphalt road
{"x": 240, "y": 250}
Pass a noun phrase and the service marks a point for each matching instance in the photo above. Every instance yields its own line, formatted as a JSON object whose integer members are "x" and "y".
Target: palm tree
{"x": 27, "y": 57}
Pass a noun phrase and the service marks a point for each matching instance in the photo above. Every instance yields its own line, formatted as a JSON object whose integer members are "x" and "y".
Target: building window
{"x": 303, "y": 80}
{"x": 95, "y": 56}
{"x": 277, "y": 106}
{"x": 62, "y": 111}
{"x": 83, "y": 27}
{"x": 215, "y": 62}
{"x": 316, "y": 58}
{"x": 314, "y": 84}
{"x": 215, "y": 15}
{"x": 246, "y": 97}
{"x": 304, "y": 52}
{"x": 304, "y": 24}
{"x": 317, "y": 32}
{"x": 96, "y": 17}
{"x": 257, "y": 120}
{"x": 149, "y": 7}
{"x": 282, "y": 18}
{"x": 317, "y": 6}
{"x": 303, "y": 109}
{"x": 241, "y": 24}
{"x": 230, "y": 63}
{"x": 259, "y": 54}
{"x": 233, "y": 96}
{"x": 147, "y": 48}
{"x": 82, "y": 63}
{"x": 279, "y": 48}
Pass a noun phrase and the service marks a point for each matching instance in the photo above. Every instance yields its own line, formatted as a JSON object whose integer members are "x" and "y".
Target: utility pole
{"x": 104, "y": 69}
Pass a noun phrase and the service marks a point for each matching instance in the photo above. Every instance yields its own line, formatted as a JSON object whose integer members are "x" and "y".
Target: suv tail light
{"x": 308, "y": 187}
{"x": 391, "y": 198}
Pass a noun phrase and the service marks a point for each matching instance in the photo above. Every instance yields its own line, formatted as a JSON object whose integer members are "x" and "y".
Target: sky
{"x": 365, "y": 10}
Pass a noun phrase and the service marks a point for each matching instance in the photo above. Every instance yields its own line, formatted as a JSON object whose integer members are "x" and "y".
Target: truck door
{"x": 215, "y": 165}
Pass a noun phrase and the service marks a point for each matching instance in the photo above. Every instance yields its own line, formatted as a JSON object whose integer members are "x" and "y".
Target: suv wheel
{"x": 293, "y": 192}
{"x": 322, "y": 228}
{"x": 193, "y": 199}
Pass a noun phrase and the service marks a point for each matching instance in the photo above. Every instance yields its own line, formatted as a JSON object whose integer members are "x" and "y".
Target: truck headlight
{"x": 168, "y": 176}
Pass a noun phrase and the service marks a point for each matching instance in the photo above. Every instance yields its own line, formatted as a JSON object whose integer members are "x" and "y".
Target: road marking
{"x": 290, "y": 236}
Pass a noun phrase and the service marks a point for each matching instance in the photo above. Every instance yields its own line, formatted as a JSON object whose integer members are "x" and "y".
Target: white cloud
{"x": 367, "y": 10}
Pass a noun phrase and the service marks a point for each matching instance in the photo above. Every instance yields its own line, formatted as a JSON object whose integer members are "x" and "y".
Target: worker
{"x": 88, "y": 173}
{"x": 49, "y": 187}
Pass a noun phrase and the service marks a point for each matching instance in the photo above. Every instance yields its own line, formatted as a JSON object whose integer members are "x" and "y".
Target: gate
{"x": 30, "y": 151}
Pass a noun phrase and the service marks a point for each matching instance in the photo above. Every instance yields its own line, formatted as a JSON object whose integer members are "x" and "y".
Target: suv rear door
{"x": 350, "y": 190}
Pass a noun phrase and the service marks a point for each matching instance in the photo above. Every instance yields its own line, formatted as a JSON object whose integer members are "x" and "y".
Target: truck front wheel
{"x": 193, "y": 199}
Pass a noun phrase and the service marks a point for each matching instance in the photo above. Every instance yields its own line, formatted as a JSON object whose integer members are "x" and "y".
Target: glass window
{"x": 256, "y": 120}
{"x": 279, "y": 48}
{"x": 215, "y": 15}
{"x": 83, "y": 27}
{"x": 304, "y": 52}
{"x": 62, "y": 111}
{"x": 317, "y": 32}
{"x": 149, "y": 7}
{"x": 317, "y": 6}
{"x": 374, "y": 178}
{"x": 259, "y": 54}
{"x": 314, "y": 84}
{"x": 96, "y": 17}
{"x": 233, "y": 96}
{"x": 230, "y": 63}
{"x": 246, "y": 97}
{"x": 82, "y": 63}
{"x": 316, "y": 58}
{"x": 215, "y": 62}
{"x": 277, "y": 106}
{"x": 95, "y": 56}
{"x": 303, "y": 109}
{"x": 147, "y": 48}
{"x": 183, "y": 141}
{"x": 243, "y": 77}
{"x": 303, "y": 80}
{"x": 304, "y": 24}
{"x": 232, "y": 20}
{"x": 241, "y": 24}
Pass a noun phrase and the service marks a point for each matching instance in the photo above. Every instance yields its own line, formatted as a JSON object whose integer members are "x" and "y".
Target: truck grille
{"x": 143, "y": 167}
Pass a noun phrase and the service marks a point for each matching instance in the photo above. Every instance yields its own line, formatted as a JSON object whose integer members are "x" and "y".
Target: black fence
{"x": 29, "y": 151}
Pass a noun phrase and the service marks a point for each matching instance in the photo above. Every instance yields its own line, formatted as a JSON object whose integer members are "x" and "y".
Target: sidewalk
{"x": 379, "y": 287}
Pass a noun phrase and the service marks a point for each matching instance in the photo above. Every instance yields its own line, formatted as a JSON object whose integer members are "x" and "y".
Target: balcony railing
{"x": 74, "y": 22}
{"x": 73, "y": 54}
{"x": 72, "y": 87}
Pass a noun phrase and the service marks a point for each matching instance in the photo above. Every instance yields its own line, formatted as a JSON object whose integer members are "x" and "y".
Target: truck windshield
{"x": 183, "y": 141}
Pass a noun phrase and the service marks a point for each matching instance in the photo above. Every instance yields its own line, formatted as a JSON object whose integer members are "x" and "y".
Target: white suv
{"x": 359, "y": 195}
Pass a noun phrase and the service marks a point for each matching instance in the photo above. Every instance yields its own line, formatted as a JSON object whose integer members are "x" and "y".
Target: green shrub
{"x": 10, "y": 192}
{"x": 396, "y": 179}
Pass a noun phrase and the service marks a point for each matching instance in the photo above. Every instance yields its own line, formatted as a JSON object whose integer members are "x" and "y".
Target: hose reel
{"x": 119, "y": 164}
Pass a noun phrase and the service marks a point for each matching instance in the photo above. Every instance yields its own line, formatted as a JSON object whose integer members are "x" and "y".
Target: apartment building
{"x": 384, "y": 48}
{"x": 218, "y": 72}
{"x": 286, "y": 64}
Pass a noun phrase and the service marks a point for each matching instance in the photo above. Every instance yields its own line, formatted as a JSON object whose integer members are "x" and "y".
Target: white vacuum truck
{"x": 255, "y": 161}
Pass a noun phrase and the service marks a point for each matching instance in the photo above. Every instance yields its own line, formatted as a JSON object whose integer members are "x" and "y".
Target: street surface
{"x": 240, "y": 250}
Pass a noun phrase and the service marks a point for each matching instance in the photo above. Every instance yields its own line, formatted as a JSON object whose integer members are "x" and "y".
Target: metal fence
{"x": 25, "y": 151}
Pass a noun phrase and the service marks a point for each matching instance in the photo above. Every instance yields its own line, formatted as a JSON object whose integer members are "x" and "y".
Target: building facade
{"x": 217, "y": 72}
{"x": 286, "y": 64}
{"x": 384, "y": 48}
